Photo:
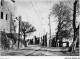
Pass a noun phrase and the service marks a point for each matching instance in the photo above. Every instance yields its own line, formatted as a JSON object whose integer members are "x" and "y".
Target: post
{"x": 40, "y": 40}
{"x": 44, "y": 37}
{"x": 34, "y": 40}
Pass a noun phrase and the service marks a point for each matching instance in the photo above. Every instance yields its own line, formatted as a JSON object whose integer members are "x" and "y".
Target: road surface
{"x": 34, "y": 50}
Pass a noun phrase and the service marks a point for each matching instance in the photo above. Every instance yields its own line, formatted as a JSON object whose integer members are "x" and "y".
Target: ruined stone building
{"x": 7, "y": 9}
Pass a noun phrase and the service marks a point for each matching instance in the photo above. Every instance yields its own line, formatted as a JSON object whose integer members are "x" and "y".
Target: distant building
{"x": 70, "y": 40}
{"x": 7, "y": 9}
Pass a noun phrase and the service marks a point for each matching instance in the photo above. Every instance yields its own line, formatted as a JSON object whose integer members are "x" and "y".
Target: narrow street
{"x": 35, "y": 50}
{"x": 39, "y": 27}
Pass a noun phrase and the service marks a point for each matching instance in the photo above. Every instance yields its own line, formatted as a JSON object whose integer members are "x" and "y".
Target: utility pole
{"x": 49, "y": 30}
{"x": 19, "y": 31}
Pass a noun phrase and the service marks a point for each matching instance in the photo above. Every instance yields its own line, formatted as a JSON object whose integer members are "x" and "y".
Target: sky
{"x": 36, "y": 13}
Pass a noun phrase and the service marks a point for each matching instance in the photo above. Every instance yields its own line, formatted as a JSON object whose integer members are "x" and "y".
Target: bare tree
{"x": 63, "y": 13}
{"x": 75, "y": 14}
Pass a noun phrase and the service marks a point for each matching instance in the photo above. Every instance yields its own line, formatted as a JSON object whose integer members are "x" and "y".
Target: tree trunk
{"x": 73, "y": 46}
{"x": 59, "y": 28}
{"x": 56, "y": 39}
{"x": 24, "y": 39}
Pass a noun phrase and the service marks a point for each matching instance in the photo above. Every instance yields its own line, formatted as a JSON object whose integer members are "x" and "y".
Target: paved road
{"x": 33, "y": 50}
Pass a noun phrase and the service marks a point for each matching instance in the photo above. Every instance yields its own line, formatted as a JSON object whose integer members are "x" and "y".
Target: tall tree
{"x": 26, "y": 28}
{"x": 63, "y": 13}
{"x": 75, "y": 14}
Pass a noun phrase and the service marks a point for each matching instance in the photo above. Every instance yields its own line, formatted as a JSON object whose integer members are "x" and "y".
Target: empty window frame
{"x": 6, "y": 16}
{"x": 1, "y": 15}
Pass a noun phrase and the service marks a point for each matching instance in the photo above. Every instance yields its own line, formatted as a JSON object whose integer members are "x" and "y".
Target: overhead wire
{"x": 36, "y": 12}
{"x": 33, "y": 7}
{"x": 39, "y": 13}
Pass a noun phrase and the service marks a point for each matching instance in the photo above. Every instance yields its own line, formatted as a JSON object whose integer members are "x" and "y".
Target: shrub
{"x": 4, "y": 41}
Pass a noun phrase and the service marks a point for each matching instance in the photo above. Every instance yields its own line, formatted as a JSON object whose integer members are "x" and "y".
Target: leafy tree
{"x": 26, "y": 28}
